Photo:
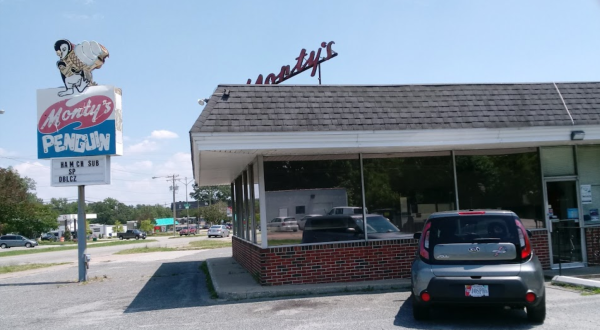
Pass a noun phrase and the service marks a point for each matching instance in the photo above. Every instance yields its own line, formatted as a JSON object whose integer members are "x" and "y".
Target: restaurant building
{"x": 402, "y": 151}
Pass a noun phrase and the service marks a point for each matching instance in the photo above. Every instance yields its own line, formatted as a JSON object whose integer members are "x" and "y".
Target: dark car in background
{"x": 477, "y": 258}
{"x": 49, "y": 237}
{"x": 334, "y": 228}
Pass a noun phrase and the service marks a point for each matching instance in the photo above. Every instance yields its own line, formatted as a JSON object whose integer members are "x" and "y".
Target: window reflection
{"x": 505, "y": 181}
{"x": 407, "y": 190}
{"x": 298, "y": 190}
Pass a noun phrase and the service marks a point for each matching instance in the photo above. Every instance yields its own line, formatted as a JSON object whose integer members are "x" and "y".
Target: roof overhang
{"x": 218, "y": 158}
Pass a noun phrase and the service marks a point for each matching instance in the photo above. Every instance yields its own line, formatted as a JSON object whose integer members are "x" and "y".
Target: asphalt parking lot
{"x": 166, "y": 290}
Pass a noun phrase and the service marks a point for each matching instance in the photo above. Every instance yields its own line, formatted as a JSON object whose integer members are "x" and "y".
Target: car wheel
{"x": 27, "y": 245}
{"x": 3, "y": 246}
{"x": 420, "y": 312}
{"x": 121, "y": 238}
{"x": 537, "y": 314}
{"x": 137, "y": 237}
{"x": 143, "y": 237}
{"x": 227, "y": 234}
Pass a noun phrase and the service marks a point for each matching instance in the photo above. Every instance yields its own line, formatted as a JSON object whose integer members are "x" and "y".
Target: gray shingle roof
{"x": 281, "y": 108}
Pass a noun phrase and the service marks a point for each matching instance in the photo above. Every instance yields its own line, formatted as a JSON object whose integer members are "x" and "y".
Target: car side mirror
{"x": 417, "y": 235}
{"x": 529, "y": 233}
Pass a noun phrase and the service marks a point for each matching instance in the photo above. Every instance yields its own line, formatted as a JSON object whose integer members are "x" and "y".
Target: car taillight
{"x": 424, "y": 244}
{"x": 283, "y": 223}
{"x": 523, "y": 240}
{"x": 425, "y": 296}
{"x": 530, "y": 297}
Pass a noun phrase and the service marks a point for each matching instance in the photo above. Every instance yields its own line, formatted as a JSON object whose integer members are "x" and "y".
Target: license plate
{"x": 477, "y": 290}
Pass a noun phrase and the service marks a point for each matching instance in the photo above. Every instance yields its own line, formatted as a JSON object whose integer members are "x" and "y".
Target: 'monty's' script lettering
{"x": 88, "y": 112}
{"x": 313, "y": 61}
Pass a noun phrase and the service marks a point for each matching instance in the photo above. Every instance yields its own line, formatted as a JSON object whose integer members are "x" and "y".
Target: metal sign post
{"x": 81, "y": 235}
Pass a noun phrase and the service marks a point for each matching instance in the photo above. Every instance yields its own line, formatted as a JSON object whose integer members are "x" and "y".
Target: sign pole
{"x": 81, "y": 234}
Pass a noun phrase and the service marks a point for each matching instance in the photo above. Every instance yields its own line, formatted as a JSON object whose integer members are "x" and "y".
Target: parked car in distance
{"x": 132, "y": 233}
{"x": 346, "y": 210}
{"x": 49, "y": 237}
{"x": 477, "y": 257}
{"x": 205, "y": 227}
{"x": 334, "y": 228}
{"x": 218, "y": 230}
{"x": 283, "y": 224}
{"x": 185, "y": 231}
{"x": 8, "y": 241}
{"x": 302, "y": 220}
{"x": 229, "y": 225}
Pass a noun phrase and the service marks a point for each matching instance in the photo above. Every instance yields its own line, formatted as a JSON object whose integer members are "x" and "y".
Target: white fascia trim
{"x": 438, "y": 138}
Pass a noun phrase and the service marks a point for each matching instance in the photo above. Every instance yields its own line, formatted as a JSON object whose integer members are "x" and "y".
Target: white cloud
{"x": 142, "y": 147}
{"x": 4, "y": 152}
{"x": 163, "y": 134}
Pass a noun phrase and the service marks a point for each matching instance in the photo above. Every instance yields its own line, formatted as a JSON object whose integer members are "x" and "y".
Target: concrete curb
{"x": 575, "y": 281}
{"x": 305, "y": 290}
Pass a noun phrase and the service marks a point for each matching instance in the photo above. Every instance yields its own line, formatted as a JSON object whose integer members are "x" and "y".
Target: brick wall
{"x": 592, "y": 241}
{"x": 343, "y": 262}
{"x": 539, "y": 243}
{"x": 326, "y": 263}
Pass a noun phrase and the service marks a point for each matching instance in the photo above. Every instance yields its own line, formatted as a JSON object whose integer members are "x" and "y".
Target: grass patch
{"x": 146, "y": 249}
{"x": 585, "y": 291}
{"x": 210, "y": 244}
{"x": 20, "y": 268}
{"x": 209, "y": 282}
{"x": 70, "y": 247}
{"x": 273, "y": 242}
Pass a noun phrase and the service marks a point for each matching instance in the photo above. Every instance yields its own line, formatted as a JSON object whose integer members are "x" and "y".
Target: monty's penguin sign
{"x": 81, "y": 118}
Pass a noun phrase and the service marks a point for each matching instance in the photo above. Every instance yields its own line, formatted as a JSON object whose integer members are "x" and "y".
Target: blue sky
{"x": 165, "y": 55}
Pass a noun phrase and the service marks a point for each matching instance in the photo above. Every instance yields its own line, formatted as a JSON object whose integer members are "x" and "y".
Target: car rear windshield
{"x": 474, "y": 229}
{"x": 470, "y": 229}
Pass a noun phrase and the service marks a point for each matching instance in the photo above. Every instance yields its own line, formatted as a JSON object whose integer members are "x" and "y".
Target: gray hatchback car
{"x": 8, "y": 241}
{"x": 477, "y": 257}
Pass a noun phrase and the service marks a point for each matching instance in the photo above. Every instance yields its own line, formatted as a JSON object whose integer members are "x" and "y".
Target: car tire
{"x": 27, "y": 245}
{"x": 121, "y": 238}
{"x": 3, "y": 246}
{"x": 537, "y": 314}
{"x": 420, "y": 312}
{"x": 137, "y": 237}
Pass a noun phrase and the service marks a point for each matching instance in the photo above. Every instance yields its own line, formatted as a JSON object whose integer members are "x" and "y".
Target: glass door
{"x": 563, "y": 215}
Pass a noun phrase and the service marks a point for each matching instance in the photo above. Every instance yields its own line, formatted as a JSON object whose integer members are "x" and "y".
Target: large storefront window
{"x": 407, "y": 189}
{"x": 502, "y": 179}
{"x": 588, "y": 163}
{"x": 298, "y": 189}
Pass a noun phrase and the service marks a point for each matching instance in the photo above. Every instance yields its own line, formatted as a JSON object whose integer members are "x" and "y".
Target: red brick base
{"x": 592, "y": 241}
{"x": 541, "y": 247}
{"x": 342, "y": 262}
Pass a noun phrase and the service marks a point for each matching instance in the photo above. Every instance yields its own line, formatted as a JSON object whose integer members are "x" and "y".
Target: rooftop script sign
{"x": 312, "y": 62}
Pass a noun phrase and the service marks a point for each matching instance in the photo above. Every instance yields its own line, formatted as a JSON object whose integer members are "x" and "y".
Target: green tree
{"x": 20, "y": 209}
{"x": 118, "y": 227}
{"x": 211, "y": 194}
{"x": 215, "y": 213}
{"x": 147, "y": 226}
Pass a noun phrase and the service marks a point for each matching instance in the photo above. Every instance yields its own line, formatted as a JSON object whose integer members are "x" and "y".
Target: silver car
{"x": 481, "y": 258}
{"x": 283, "y": 224}
{"x": 8, "y": 241}
{"x": 218, "y": 230}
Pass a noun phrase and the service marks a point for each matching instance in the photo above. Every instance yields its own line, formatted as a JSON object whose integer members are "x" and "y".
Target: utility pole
{"x": 174, "y": 188}
{"x": 187, "y": 206}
